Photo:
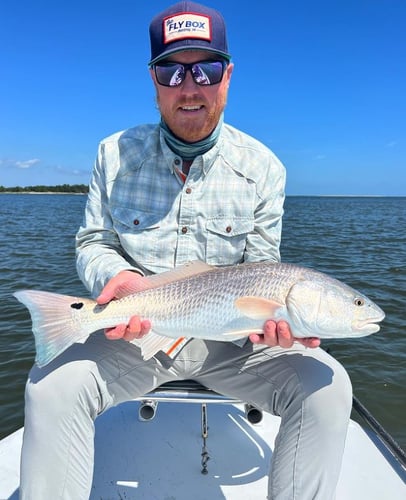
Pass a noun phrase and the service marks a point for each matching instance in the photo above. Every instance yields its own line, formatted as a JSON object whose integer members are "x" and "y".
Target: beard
{"x": 192, "y": 126}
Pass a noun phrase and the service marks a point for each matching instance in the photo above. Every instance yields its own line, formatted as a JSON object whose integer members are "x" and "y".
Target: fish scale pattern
{"x": 203, "y": 305}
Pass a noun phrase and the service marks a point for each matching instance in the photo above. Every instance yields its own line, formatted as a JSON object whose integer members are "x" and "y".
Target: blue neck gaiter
{"x": 189, "y": 150}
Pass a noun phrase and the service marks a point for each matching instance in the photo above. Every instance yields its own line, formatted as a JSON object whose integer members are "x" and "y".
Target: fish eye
{"x": 359, "y": 302}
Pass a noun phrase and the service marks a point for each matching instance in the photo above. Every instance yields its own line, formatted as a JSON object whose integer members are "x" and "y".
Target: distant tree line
{"x": 62, "y": 188}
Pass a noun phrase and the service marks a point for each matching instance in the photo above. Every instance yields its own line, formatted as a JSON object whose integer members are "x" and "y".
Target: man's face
{"x": 190, "y": 110}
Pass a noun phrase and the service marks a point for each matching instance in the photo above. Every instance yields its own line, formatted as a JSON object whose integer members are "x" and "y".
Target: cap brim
{"x": 168, "y": 53}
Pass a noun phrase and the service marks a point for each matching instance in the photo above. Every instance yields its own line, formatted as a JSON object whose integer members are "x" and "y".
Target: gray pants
{"x": 306, "y": 387}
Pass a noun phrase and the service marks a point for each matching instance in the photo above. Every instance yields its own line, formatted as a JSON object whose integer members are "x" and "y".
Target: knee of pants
{"x": 319, "y": 384}
{"x": 54, "y": 392}
{"x": 331, "y": 405}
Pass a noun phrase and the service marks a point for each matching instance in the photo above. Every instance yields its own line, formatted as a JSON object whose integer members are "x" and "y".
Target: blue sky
{"x": 322, "y": 83}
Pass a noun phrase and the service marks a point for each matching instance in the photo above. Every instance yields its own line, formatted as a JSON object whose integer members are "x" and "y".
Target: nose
{"x": 188, "y": 84}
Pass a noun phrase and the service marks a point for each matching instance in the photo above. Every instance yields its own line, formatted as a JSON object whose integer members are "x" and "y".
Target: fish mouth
{"x": 368, "y": 326}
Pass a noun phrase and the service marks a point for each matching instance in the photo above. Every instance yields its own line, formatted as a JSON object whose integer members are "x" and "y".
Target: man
{"x": 189, "y": 188}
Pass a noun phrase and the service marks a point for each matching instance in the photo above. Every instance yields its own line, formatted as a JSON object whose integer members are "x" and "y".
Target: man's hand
{"x": 279, "y": 334}
{"x": 123, "y": 284}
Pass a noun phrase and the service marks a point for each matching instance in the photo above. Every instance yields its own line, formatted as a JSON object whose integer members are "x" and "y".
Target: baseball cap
{"x": 187, "y": 26}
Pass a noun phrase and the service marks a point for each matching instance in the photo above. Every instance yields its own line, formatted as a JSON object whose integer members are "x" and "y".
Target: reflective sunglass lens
{"x": 170, "y": 75}
{"x": 207, "y": 73}
{"x": 203, "y": 73}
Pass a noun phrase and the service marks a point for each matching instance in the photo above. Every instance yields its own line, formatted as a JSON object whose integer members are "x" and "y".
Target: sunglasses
{"x": 172, "y": 74}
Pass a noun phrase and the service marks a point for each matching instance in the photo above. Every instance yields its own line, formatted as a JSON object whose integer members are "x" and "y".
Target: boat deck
{"x": 161, "y": 459}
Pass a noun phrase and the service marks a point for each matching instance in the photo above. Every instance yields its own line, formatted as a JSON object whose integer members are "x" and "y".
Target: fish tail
{"x": 53, "y": 325}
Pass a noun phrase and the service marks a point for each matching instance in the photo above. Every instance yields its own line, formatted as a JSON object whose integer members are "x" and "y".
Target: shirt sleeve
{"x": 264, "y": 241}
{"x": 99, "y": 254}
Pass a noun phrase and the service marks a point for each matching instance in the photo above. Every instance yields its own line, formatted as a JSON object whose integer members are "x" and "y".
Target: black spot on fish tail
{"x": 77, "y": 305}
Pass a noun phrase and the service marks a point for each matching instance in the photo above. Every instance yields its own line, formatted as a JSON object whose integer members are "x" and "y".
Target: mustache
{"x": 190, "y": 101}
{"x": 185, "y": 101}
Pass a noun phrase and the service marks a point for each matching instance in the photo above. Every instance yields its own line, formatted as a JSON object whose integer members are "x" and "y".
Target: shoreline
{"x": 288, "y": 195}
{"x": 42, "y": 192}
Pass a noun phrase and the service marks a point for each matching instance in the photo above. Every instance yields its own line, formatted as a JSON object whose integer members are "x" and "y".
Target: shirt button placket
{"x": 186, "y": 218}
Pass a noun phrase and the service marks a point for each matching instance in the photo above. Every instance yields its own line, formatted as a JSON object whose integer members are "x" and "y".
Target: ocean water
{"x": 361, "y": 241}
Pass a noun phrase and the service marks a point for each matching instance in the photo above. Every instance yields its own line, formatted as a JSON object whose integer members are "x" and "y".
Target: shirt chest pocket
{"x": 226, "y": 239}
{"x": 127, "y": 220}
{"x": 139, "y": 233}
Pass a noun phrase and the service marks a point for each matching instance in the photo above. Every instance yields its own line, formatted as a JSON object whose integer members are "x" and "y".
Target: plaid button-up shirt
{"x": 140, "y": 214}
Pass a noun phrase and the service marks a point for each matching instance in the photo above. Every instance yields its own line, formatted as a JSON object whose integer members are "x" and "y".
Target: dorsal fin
{"x": 156, "y": 280}
{"x": 187, "y": 270}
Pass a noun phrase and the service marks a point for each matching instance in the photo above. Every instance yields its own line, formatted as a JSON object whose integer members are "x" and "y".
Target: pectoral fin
{"x": 258, "y": 307}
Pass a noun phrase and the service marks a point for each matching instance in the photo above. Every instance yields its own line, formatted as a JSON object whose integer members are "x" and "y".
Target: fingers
{"x": 274, "y": 334}
{"x": 279, "y": 334}
{"x": 107, "y": 294}
{"x": 310, "y": 342}
{"x": 115, "y": 333}
{"x": 110, "y": 290}
{"x": 135, "y": 329}
{"x": 283, "y": 333}
{"x": 124, "y": 283}
{"x": 269, "y": 336}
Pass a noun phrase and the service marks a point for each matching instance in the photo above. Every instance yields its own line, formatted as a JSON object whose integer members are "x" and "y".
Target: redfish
{"x": 213, "y": 303}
